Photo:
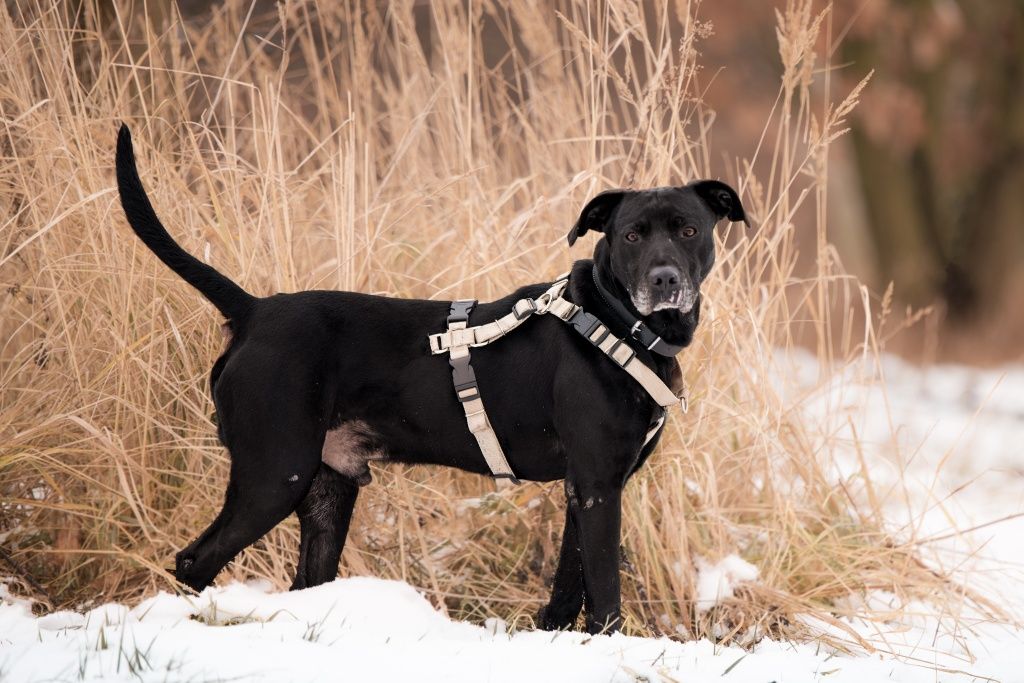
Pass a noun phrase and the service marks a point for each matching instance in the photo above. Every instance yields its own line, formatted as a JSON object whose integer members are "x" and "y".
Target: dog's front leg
{"x": 596, "y": 508}
{"x": 567, "y": 589}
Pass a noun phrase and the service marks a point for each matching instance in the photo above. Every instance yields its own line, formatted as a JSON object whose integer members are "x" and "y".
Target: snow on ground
{"x": 716, "y": 581}
{"x": 956, "y": 430}
{"x": 957, "y": 436}
{"x": 365, "y": 629}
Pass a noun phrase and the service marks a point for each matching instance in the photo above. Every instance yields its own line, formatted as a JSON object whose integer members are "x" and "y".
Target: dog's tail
{"x": 233, "y": 301}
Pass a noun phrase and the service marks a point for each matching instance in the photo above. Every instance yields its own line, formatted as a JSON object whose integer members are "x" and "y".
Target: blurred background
{"x": 928, "y": 186}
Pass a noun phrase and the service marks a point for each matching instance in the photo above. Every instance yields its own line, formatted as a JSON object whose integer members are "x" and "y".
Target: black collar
{"x": 638, "y": 330}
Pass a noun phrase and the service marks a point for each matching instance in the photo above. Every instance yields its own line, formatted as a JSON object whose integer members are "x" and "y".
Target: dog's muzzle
{"x": 666, "y": 288}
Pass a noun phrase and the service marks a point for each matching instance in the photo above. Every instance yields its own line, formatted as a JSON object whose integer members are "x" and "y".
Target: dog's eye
{"x": 689, "y": 231}
{"x": 632, "y": 236}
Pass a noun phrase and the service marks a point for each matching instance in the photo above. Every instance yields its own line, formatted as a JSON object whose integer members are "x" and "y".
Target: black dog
{"x": 342, "y": 378}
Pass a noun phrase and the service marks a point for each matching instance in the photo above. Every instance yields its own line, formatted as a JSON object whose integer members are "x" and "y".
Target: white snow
{"x": 956, "y": 434}
{"x": 716, "y": 581}
{"x": 370, "y": 629}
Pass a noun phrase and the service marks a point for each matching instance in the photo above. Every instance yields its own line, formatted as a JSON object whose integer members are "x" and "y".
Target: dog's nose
{"x": 664, "y": 280}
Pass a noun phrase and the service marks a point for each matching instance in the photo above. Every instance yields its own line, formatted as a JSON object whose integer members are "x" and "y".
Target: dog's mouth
{"x": 681, "y": 300}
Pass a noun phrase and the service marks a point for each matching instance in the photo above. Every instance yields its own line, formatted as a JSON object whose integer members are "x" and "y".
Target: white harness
{"x": 459, "y": 338}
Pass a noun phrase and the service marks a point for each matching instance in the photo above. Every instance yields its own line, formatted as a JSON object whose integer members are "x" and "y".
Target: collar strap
{"x": 638, "y": 330}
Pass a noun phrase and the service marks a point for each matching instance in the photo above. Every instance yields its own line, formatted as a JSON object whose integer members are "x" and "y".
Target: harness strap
{"x": 481, "y": 335}
{"x": 594, "y": 331}
{"x": 597, "y": 333}
{"x": 586, "y": 324}
{"x": 468, "y": 393}
{"x": 459, "y": 338}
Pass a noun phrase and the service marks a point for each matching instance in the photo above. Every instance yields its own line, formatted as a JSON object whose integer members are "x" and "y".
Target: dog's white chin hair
{"x": 642, "y": 303}
{"x": 682, "y": 306}
{"x": 683, "y": 303}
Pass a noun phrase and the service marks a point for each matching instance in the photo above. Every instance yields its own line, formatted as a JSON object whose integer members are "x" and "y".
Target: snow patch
{"x": 373, "y": 630}
{"x": 717, "y": 582}
{"x": 61, "y": 620}
{"x": 9, "y": 598}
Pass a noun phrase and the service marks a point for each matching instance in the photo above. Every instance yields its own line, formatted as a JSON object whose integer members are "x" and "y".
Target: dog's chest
{"x": 349, "y": 448}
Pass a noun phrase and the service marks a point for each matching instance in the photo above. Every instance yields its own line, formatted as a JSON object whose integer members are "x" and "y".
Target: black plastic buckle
{"x": 584, "y": 323}
{"x": 459, "y": 312}
{"x": 464, "y": 378}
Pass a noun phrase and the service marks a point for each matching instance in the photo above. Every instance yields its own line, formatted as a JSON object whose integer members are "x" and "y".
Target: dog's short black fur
{"x": 339, "y": 377}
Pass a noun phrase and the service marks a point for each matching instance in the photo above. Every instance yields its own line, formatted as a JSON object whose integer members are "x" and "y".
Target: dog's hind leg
{"x": 275, "y": 453}
{"x": 324, "y": 517}
{"x": 567, "y": 589}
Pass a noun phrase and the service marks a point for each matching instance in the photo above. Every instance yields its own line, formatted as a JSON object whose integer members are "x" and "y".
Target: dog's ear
{"x": 596, "y": 213}
{"x": 721, "y": 199}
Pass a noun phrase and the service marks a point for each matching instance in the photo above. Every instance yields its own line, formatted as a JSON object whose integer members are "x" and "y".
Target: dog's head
{"x": 659, "y": 242}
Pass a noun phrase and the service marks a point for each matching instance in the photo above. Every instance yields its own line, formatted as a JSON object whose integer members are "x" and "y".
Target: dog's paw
{"x": 184, "y": 572}
{"x": 604, "y": 626}
{"x": 548, "y": 620}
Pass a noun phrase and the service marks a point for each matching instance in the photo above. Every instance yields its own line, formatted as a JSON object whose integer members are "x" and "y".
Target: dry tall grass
{"x": 392, "y": 149}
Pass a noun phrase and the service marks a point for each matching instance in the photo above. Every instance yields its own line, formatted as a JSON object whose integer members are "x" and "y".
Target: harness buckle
{"x": 584, "y": 323}
{"x": 462, "y": 374}
{"x": 524, "y": 312}
{"x": 460, "y": 311}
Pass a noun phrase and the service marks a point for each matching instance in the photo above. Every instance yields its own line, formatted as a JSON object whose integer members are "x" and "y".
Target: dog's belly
{"x": 349, "y": 447}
